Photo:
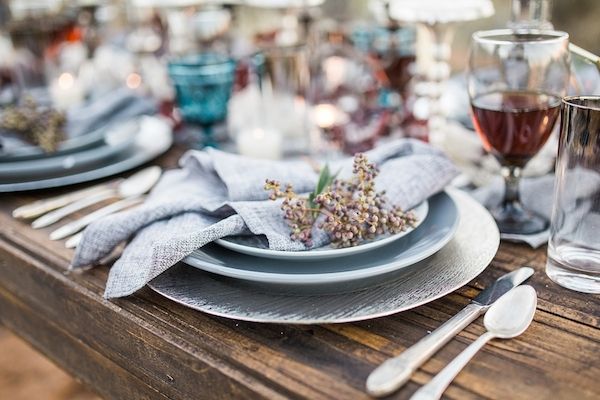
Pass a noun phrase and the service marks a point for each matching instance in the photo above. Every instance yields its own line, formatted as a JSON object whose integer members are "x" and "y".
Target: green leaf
{"x": 325, "y": 180}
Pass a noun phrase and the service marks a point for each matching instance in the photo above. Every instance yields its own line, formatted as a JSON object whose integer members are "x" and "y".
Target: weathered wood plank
{"x": 121, "y": 337}
{"x": 69, "y": 353}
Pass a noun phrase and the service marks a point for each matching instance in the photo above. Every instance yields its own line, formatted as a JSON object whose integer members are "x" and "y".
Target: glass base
{"x": 571, "y": 278}
{"x": 516, "y": 220}
{"x": 198, "y": 136}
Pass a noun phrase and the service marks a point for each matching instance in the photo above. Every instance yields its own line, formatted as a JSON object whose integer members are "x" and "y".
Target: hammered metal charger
{"x": 462, "y": 259}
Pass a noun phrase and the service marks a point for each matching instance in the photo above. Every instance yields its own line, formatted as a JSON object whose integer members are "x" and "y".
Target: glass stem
{"x": 512, "y": 177}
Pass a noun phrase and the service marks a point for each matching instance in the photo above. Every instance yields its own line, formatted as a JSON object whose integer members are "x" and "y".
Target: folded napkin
{"x": 216, "y": 194}
{"x": 537, "y": 194}
{"x": 116, "y": 106}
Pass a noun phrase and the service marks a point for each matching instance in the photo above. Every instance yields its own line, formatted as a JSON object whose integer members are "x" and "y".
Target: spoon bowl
{"x": 507, "y": 318}
{"x": 512, "y": 313}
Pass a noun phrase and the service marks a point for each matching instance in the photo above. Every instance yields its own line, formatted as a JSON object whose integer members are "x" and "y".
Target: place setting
{"x": 44, "y": 147}
{"x": 315, "y": 174}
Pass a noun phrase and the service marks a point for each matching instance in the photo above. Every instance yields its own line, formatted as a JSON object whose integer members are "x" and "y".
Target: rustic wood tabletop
{"x": 146, "y": 346}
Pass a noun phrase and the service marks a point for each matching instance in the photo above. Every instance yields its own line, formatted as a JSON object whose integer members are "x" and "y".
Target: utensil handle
{"x": 77, "y": 225}
{"x": 40, "y": 207}
{"x": 395, "y": 372}
{"x": 436, "y": 387}
{"x": 74, "y": 240}
{"x": 60, "y": 213}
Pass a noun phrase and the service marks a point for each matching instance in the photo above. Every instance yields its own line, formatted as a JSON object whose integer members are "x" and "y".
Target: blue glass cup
{"x": 203, "y": 85}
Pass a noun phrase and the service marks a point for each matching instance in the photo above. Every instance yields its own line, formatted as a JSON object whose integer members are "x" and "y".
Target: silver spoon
{"x": 136, "y": 185}
{"x": 509, "y": 317}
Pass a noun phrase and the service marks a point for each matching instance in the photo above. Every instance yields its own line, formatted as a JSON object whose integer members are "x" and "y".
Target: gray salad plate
{"x": 468, "y": 253}
{"x": 254, "y": 246}
{"x": 435, "y": 231}
{"x": 152, "y": 139}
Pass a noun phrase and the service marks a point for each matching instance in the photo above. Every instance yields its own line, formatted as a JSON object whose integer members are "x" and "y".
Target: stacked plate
{"x": 98, "y": 154}
{"x": 240, "y": 278}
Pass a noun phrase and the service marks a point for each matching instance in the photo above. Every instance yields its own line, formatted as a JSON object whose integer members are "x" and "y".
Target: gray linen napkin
{"x": 538, "y": 194}
{"x": 216, "y": 194}
{"x": 110, "y": 108}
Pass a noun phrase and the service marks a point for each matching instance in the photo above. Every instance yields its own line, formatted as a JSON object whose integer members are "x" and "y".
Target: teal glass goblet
{"x": 203, "y": 85}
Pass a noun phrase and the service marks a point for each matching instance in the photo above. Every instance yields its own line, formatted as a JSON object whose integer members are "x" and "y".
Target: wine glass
{"x": 516, "y": 81}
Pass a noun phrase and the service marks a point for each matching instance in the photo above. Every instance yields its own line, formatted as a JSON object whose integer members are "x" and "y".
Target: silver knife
{"x": 396, "y": 371}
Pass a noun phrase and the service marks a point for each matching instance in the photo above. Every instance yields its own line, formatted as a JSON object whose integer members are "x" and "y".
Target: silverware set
{"x": 510, "y": 310}
{"x": 128, "y": 192}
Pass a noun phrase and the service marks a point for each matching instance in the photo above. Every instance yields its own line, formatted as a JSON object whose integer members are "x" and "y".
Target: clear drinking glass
{"x": 574, "y": 246}
{"x": 516, "y": 82}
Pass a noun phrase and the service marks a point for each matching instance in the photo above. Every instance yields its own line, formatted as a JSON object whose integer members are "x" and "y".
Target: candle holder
{"x": 349, "y": 89}
{"x": 437, "y": 18}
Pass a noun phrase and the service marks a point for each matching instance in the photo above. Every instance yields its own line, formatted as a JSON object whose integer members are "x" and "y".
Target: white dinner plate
{"x": 256, "y": 246}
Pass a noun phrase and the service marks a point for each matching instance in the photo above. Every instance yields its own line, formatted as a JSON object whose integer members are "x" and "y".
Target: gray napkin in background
{"x": 216, "y": 194}
{"x": 538, "y": 194}
{"x": 116, "y": 106}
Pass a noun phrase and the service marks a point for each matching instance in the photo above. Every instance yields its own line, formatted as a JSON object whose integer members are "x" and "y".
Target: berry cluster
{"x": 350, "y": 211}
{"x": 40, "y": 126}
{"x": 296, "y": 211}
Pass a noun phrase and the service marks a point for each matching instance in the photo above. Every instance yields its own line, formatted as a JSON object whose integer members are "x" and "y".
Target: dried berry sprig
{"x": 353, "y": 211}
{"x": 40, "y": 126}
{"x": 297, "y": 211}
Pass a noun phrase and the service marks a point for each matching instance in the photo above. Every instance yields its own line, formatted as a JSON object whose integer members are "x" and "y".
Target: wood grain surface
{"x": 147, "y": 347}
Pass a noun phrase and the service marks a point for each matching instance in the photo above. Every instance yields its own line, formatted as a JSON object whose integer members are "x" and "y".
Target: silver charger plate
{"x": 342, "y": 272}
{"x": 462, "y": 259}
{"x": 249, "y": 245}
{"x": 153, "y": 139}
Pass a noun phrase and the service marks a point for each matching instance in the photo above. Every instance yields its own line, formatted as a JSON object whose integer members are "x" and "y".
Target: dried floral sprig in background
{"x": 350, "y": 211}
{"x": 37, "y": 125}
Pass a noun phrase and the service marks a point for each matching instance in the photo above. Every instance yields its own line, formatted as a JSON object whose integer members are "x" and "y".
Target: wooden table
{"x": 146, "y": 346}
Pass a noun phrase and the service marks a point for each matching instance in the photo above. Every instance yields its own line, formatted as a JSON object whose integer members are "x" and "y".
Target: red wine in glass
{"x": 514, "y": 125}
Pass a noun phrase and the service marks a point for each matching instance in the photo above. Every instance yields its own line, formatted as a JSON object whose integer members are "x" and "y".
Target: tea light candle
{"x": 66, "y": 91}
{"x": 326, "y": 116}
{"x": 260, "y": 143}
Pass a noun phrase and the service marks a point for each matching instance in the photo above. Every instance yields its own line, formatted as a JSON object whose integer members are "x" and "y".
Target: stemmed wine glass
{"x": 516, "y": 81}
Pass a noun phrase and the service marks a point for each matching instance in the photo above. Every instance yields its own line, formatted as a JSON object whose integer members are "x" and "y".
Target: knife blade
{"x": 502, "y": 285}
{"x": 396, "y": 371}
